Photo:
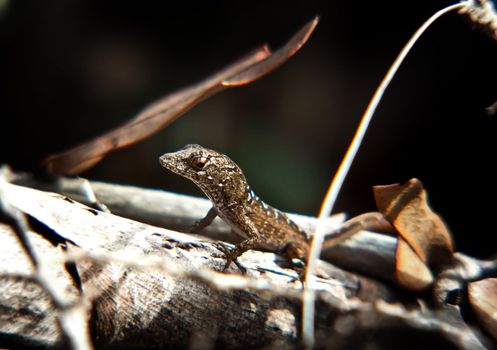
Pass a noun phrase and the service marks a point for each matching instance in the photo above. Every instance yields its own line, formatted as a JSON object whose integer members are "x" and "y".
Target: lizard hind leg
{"x": 296, "y": 257}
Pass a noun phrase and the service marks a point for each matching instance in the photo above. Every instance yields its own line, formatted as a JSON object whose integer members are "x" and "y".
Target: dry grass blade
{"x": 150, "y": 120}
{"x": 163, "y": 112}
{"x": 72, "y": 317}
{"x": 339, "y": 178}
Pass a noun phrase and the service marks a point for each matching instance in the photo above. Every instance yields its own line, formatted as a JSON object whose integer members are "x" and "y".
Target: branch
{"x": 149, "y": 283}
{"x": 359, "y": 253}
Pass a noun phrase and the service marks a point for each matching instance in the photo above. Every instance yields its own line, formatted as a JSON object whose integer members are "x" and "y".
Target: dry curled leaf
{"x": 406, "y": 207}
{"x": 483, "y": 299}
{"x": 410, "y": 272}
{"x": 163, "y": 112}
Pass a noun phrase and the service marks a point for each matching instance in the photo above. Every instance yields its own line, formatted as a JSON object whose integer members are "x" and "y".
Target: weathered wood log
{"x": 149, "y": 283}
{"x": 151, "y": 287}
{"x": 178, "y": 212}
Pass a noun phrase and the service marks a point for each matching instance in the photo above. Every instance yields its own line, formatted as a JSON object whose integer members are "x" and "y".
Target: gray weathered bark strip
{"x": 177, "y": 212}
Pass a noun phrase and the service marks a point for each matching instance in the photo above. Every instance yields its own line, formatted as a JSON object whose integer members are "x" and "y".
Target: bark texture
{"x": 148, "y": 287}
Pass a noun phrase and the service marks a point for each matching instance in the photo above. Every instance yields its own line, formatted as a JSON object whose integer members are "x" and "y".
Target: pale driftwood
{"x": 366, "y": 252}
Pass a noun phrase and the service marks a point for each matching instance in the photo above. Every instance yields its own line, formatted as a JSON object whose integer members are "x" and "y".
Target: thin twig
{"x": 218, "y": 280}
{"x": 336, "y": 184}
{"x": 72, "y": 317}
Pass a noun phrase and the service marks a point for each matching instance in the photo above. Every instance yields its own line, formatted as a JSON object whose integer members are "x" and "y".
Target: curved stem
{"x": 336, "y": 184}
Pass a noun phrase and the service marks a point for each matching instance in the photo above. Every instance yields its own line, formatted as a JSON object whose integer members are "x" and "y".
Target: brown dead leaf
{"x": 406, "y": 207}
{"x": 163, "y": 112}
{"x": 410, "y": 272}
{"x": 483, "y": 299}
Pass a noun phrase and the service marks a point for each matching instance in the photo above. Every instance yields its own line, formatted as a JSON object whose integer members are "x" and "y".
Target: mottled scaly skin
{"x": 223, "y": 182}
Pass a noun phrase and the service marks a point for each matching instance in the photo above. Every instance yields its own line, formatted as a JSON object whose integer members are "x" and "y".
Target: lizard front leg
{"x": 205, "y": 221}
{"x": 232, "y": 255}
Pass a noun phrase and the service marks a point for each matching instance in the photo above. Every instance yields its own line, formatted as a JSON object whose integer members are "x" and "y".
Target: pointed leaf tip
{"x": 275, "y": 59}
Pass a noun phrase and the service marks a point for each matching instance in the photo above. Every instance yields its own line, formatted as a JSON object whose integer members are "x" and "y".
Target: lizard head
{"x": 214, "y": 173}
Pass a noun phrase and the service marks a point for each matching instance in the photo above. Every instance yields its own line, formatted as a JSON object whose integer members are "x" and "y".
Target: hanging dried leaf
{"x": 406, "y": 207}
{"x": 483, "y": 299}
{"x": 163, "y": 112}
{"x": 410, "y": 272}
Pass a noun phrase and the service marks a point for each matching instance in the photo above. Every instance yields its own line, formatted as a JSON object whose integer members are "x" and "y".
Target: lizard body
{"x": 223, "y": 182}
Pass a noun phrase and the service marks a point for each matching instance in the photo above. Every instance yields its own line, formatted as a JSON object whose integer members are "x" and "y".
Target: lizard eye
{"x": 296, "y": 262}
{"x": 199, "y": 163}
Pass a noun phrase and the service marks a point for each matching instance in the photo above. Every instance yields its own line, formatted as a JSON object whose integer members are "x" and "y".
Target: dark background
{"x": 70, "y": 70}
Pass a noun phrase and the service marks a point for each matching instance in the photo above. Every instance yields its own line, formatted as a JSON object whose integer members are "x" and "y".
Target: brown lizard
{"x": 233, "y": 200}
{"x": 262, "y": 226}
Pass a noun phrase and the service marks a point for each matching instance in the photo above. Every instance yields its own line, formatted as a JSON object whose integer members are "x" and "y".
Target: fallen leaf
{"x": 406, "y": 207}
{"x": 163, "y": 112}
{"x": 410, "y": 272}
{"x": 483, "y": 299}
